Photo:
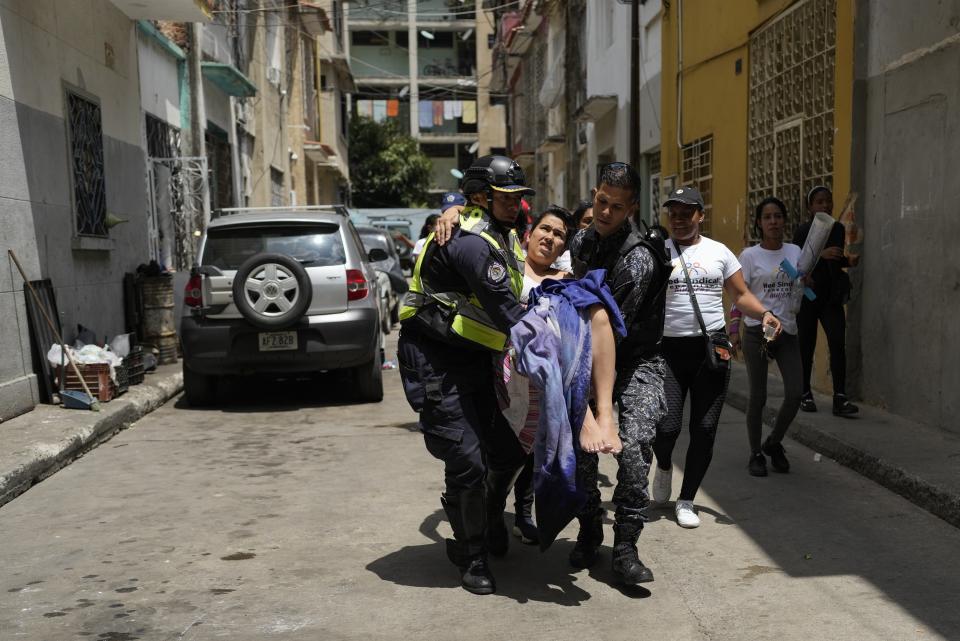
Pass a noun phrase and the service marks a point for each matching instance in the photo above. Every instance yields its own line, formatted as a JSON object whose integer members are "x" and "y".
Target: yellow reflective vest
{"x": 456, "y": 315}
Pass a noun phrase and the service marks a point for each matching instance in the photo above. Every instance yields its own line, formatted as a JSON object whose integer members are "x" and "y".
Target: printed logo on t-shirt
{"x": 698, "y": 278}
{"x": 778, "y": 284}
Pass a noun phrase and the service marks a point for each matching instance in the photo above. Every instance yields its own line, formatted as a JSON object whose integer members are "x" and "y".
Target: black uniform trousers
{"x": 453, "y": 390}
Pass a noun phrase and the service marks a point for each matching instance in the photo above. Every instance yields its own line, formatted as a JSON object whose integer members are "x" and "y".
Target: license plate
{"x": 277, "y": 341}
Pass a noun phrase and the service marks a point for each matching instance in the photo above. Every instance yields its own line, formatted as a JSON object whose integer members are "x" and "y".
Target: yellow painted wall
{"x": 715, "y": 35}
{"x": 715, "y": 101}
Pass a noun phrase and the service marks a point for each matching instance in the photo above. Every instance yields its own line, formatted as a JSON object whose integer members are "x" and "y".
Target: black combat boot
{"x": 451, "y": 505}
{"x": 476, "y": 576}
{"x": 523, "y": 525}
{"x": 627, "y": 566}
{"x": 498, "y": 484}
{"x": 584, "y": 554}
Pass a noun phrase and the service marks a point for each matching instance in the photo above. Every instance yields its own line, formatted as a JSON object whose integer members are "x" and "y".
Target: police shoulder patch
{"x": 496, "y": 272}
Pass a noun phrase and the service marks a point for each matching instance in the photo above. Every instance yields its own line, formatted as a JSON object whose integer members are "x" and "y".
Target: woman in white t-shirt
{"x": 767, "y": 280}
{"x": 712, "y": 269}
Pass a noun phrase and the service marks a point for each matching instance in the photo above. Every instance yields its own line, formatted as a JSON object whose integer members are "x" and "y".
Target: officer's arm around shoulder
{"x": 487, "y": 277}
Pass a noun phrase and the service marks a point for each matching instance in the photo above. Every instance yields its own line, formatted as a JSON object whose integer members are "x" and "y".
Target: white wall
{"x": 650, "y": 43}
{"x": 608, "y": 73}
{"x": 159, "y": 82}
{"x": 46, "y": 41}
{"x": 217, "y": 105}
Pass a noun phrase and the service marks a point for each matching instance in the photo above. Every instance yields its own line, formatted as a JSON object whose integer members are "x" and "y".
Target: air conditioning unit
{"x": 273, "y": 75}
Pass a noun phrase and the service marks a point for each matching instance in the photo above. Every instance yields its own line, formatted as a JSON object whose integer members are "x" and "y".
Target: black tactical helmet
{"x": 498, "y": 173}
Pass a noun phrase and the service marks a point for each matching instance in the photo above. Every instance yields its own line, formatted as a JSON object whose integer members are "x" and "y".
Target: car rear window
{"x": 371, "y": 241}
{"x": 311, "y": 245}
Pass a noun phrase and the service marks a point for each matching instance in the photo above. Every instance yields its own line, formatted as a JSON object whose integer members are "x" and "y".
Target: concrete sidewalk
{"x": 38, "y": 443}
{"x": 917, "y": 462}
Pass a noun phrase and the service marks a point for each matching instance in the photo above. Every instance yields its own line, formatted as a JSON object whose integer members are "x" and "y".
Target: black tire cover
{"x": 284, "y": 319}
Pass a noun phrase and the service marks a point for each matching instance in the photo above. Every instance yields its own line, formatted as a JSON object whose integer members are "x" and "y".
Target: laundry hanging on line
{"x": 469, "y": 110}
{"x": 425, "y": 114}
{"x": 379, "y": 110}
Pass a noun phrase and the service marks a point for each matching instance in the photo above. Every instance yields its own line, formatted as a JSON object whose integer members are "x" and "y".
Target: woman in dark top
{"x": 832, "y": 287}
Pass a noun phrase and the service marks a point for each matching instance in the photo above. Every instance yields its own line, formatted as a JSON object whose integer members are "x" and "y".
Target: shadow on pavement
{"x": 522, "y": 575}
{"x": 258, "y": 394}
{"x": 824, "y": 520}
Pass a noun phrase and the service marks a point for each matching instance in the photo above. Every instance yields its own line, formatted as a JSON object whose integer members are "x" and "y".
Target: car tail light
{"x": 357, "y": 286}
{"x": 192, "y": 295}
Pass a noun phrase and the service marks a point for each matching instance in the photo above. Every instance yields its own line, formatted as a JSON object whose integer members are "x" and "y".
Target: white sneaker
{"x": 662, "y": 485}
{"x": 686, "y": 517}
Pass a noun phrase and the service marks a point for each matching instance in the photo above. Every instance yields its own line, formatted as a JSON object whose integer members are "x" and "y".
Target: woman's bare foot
{"x": 590, "y": 439}
{"x": 609, "y": 433}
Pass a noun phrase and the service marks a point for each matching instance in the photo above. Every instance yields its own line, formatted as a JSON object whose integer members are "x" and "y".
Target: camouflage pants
{"x": 641, "y": 405}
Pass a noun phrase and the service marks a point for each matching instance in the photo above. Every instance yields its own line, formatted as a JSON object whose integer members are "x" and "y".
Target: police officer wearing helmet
{"x": 455, "y": 320}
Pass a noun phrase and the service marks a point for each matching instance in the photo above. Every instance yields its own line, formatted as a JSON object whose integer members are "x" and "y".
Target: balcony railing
{"x": 428, "y": 11}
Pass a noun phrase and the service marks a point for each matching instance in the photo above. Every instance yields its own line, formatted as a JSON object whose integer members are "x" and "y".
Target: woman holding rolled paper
{"x": 831, "y": 284}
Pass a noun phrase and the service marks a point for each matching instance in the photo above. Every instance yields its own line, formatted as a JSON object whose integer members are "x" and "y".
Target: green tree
{"x": 386, "y": 167}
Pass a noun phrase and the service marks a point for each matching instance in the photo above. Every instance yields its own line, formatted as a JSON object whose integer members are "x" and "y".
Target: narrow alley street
{"x": 276, "y": 516}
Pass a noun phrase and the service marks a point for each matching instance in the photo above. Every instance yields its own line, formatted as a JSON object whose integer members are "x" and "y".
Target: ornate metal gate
{"x": 178, "y": 196}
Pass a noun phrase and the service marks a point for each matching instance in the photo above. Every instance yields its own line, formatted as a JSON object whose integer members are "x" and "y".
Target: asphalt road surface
{"x": 284, "y": 513}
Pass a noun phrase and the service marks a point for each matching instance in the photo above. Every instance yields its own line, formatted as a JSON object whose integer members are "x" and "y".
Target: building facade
{"x": 72, "y": 186}
{"x": 426, "y": 66}
{"x": 124, "y": 125}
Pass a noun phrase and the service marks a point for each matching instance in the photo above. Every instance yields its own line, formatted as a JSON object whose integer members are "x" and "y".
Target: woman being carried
{"x": 548, "y": 239}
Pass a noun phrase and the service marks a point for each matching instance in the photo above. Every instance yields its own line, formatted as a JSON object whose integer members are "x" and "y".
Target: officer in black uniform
{"x": 455, "y": 321}
{"x": 637, "y": 267}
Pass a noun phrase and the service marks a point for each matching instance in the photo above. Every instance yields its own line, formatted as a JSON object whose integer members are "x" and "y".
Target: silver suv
{"x": 282, "y": 292}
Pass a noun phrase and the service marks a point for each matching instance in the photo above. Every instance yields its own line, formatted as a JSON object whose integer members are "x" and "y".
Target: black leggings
{"x": 708, "y": 389}
{"x": 830, "y": 315}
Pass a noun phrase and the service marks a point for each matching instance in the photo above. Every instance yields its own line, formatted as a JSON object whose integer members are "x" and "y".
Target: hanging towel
{"x": 425, "y": 114}
{"x": 469, "y": 112}
{"x": 379, "y": 110}
{"x": 457, "y": 108}
{"x": 438, "y": 113}
{"x": 448, "y": 110}
{"x": 393, "y": 108}
{"x": 365, "y": 108}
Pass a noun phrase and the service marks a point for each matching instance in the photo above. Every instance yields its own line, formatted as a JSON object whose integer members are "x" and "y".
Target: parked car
{"x": 282, "y": 291}
{"x": 390, "y": 272}
{"x": 402, "y": 223}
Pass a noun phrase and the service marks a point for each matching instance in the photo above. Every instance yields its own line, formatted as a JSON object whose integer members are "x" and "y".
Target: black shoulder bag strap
{"x": 713, "y": 362}
{"x": 693, "y": 297}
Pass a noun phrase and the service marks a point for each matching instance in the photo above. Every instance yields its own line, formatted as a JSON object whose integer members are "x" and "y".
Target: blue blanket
{"x": 553, "y": 349}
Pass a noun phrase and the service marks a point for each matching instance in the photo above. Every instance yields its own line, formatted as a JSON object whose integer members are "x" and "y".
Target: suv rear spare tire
{"x": 272, "y": 290}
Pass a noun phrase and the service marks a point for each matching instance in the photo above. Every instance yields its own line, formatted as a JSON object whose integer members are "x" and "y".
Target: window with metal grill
{"x": 698, "y": 172}
{"x": 85, "y": 132}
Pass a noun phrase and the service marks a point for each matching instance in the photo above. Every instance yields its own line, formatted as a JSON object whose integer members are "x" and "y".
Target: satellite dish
{"x": 456, "y": 173}
{"x": 426, "y": 34}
